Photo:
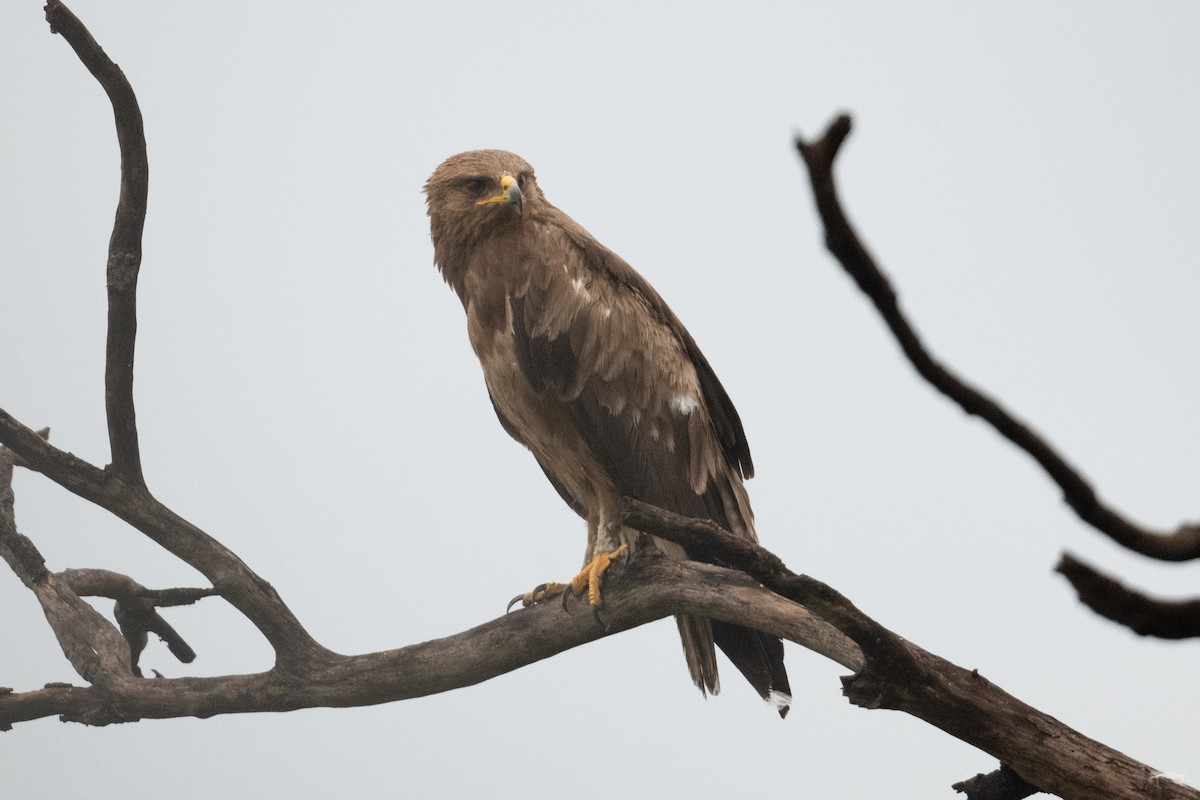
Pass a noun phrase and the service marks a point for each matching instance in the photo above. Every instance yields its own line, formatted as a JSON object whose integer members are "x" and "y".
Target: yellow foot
{"x": 592, "y": 575}
{"x": 589, "y": 578}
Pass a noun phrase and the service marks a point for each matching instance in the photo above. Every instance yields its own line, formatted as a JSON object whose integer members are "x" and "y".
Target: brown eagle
{"x": 588, "y": 368}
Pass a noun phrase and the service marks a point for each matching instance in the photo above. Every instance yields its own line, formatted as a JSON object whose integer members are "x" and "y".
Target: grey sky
{"x": 1026, "y": 173}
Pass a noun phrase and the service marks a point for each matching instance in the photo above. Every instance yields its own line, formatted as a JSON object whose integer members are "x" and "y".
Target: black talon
{"x": 513, "y": 602}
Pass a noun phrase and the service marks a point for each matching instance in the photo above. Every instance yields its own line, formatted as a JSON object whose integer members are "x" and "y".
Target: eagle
{"x": 588, "y": 368}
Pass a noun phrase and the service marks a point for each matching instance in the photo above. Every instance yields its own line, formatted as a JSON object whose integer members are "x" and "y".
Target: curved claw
{"x": 540, "y": 593}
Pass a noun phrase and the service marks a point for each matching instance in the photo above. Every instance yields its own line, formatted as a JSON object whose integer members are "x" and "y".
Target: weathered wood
{"x": 646, "y": 590}
{"x": 898, "y": 675}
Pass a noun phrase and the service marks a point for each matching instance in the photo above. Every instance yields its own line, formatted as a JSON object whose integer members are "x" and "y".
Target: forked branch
{"x": 120, "y": 488}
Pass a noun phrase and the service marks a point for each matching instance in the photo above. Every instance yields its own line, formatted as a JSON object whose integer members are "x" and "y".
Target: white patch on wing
{"x": 581, "y": 288}
{"x": 607, "y": 312}
{"x": 684, "y": 403}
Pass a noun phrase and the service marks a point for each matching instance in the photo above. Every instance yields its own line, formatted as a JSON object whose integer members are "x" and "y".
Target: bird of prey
{"x": 589, "y": 369}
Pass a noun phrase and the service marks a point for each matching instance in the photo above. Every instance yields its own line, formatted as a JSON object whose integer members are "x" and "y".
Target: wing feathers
{"x": 593, "y": 353}
{"x": 725, "y": 420}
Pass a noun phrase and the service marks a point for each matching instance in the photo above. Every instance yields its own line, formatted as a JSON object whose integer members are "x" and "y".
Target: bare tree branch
{"x": 136, "y": 609}
{"x": 125, "y": 245}
{"x": 121, "y": 489}
{"x": 882, "y": 649}
{"x": 20, "y": 462}
{"x": 897, "y": 674}
{"x": 17, "y": 550}
{"x": 1182, "y": 544}
{"x": 890, "y": 673}
{"x": 1143, "y": 615}
{"x": 644, "y": 591}
{"x": 133, "y": 503}
{"x": 67, "y": 470}
{"x": 86, "y": 638}
{"x": 1041, "y": 749}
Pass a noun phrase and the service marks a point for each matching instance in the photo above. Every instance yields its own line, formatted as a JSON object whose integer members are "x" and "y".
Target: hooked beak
{"x": 510, "y": 193}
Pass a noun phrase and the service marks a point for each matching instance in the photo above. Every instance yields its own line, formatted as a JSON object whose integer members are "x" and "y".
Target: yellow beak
{"x": 510, "y": 193}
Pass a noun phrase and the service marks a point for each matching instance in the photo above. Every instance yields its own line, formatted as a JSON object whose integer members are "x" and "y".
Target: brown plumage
{"x": 588, "y": 368}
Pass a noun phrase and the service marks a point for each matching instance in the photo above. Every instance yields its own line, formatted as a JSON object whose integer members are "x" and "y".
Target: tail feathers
{"x": 697, "y": 637}
{"x": 759, "y": 658}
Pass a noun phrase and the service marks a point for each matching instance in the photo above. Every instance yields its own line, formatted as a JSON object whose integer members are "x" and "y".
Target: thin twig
{"x": 1182, "y": 544}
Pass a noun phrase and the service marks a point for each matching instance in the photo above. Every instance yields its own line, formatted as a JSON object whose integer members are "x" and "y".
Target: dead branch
{"x": 1145, "y": 616}
{"x": 646, "y": 590}
{"x": 120, "y": 488}
{"x": 229, "y": 575}
{"x": 897, "y": 674}
{"x": 125, "y": 245}
{"x": 136, "y": 609}
{"x": 1182, "y": 544}
{"x": 17, "y": 550}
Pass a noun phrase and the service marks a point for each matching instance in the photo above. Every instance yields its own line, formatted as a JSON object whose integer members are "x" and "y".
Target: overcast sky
{"x": 1026, "y": 173}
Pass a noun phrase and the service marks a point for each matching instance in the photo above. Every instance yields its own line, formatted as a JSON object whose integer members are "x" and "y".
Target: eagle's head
{"x": 481, "y": 187}
{"x": 473, "y": 195}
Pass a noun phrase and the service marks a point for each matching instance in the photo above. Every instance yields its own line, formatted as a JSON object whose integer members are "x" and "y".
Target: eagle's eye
{"x": 475, "y": 185}
{"x": 521, "y": 181}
